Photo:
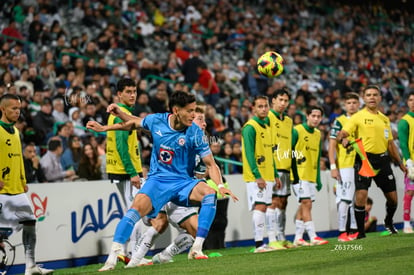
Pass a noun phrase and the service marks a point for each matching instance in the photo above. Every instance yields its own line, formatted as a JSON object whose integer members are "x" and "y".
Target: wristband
{"x": 220, "y": 186}
{"x": 333, "y": 166}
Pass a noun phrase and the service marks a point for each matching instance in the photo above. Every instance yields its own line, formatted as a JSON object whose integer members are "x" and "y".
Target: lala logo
{"x": 39, "y": 206}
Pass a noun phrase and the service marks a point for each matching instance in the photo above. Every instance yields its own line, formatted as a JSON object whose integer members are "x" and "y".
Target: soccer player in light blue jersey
{"x": 176, "y": 142}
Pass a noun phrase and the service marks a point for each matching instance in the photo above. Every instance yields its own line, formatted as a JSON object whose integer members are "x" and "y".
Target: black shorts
{"x": 385, "y": 178}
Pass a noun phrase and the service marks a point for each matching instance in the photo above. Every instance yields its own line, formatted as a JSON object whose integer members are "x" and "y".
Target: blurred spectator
{"x": 141, "y": 106}
{"x": 90, "y": 164}
{"x": 63, "y": 132}
{"x": 232, "y": 120}
{"x": 71, "y": 155}
{"x": 43, "y": 122}
{"x": 208, "y": 84}
{"x": 50, "y": 163}
{"x": 34, "y": 174}
{"x": 58, "y": 111}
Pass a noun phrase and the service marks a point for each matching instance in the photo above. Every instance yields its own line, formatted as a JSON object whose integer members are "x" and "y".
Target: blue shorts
{"x": 164, "y": 189}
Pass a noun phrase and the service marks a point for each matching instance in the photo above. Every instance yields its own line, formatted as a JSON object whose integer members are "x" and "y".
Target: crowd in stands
{"x": 64, "y": 58}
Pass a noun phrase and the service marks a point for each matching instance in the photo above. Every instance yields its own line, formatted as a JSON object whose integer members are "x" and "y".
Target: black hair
{"x": 259, "y": 97}
{"x": 54, "y": 144}
{"x": 9, "y": 96}
{"x": 283, "y": 91}
{"x": 371, "y": 87}
{"x": 311, "y": 108}
{"x": 180, "y": 99}
{"x": 125, "y": 82}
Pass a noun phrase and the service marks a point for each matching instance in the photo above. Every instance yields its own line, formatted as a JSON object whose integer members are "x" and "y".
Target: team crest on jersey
{"x": 181, "y": 141}
{"x": 166, "y": 156}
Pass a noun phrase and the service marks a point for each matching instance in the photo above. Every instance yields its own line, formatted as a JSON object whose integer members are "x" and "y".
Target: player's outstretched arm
{"x": 114, "y": 109}
{"x": 215, "y": 175}
{"x": 126, "y": 126}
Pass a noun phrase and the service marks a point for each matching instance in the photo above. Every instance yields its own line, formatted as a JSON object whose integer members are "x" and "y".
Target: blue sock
{"x": 206, "y": 215}
{"x": 124, "y": 228}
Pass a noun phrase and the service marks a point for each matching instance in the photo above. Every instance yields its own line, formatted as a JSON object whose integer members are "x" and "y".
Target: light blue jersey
{"x": 174, "y": 152}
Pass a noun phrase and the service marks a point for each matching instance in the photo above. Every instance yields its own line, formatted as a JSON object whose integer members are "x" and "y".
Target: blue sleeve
{"x": 201, "y": 143}
{"x": 147, "y": 122}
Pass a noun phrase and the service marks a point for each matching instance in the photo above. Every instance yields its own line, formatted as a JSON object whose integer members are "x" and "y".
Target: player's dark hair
{"x": 283, "y": 91}
{"x": 410, "y": 94}
{"x": 181, "y": 99}
{"x": 125, "y": 82}
{"x": 9, "y": 96}
{"x": 259, "y": 97}
{"x": 53, "y": 144}
{"x": 371, "y": 87}
{"x": 311, "y": 108}
{"x": 351, "y": 95}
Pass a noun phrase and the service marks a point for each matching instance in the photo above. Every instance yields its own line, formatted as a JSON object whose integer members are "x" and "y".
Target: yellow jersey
{"x": 257, "y": 154}
{"x": 11, "y": 165}
{"x": 373, "y": 129}
{"x": 282, "y": 137}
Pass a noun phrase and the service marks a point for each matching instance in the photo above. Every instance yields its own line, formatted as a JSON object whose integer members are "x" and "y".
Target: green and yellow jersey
{"x": 11, "y": 165}
{"x": 257, "y": 151}
{"x": 281, "y": 128}
{"x": 307, "y": 152}
{"x": 406, "y": 135}
{"x": 123, "y": 159}
{"x": 345, "y": 156}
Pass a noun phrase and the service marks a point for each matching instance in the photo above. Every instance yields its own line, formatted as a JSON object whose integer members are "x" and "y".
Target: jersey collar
{"x": 308, "y": 128}
{"x": 280, "y": 116}
{"x": 126, "y": 106}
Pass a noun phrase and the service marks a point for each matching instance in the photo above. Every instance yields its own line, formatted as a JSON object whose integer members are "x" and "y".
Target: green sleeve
{"x": 249, "y": 138}
{"x": 318, "y": 173}
{"x": 121, "y": 138}
{"x": 294, "y": 168}
{"x": 403, "y": 131}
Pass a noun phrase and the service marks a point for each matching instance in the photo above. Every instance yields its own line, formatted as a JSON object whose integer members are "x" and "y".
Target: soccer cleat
{"x": 196, "y": 255}
{"x": 408, "y": 230}
{"x": 344, "y": 238}
{"x": 276, "y": 245}
{"x": 301, "y": 242}
{"x": 123, "y": 259}
{"x": 142, "y": 262}
{"x": 288, "y": 244}
{"x": 390, "y": 228}
{"x": 161, "y": 259}
{"x": 36, "y": 269}
{"x": 318, "y": 241}
{"x": 116, "y": 250}
{"x": 353, "y": 236}
{"x": 263, "y": 248}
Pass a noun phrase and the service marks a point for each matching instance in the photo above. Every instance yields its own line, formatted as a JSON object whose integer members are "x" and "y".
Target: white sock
{"x": 407, "y": 224}
{"x": 342, "y": 215}
{"x": 258, "y": 224}
{"x": 280, "y": 224}
{"x": 310, "y": 228}
{"x": 180, "y": 244}
{"x": 300, "y": 228}
{"x": 137, "y": 233}
{"x": 144, "y": 244}
{"x": 271, "y": 224}
{"x": 198, "y": 244}
{"x": 353, "y": 224}
{"x": 29, "y": 244}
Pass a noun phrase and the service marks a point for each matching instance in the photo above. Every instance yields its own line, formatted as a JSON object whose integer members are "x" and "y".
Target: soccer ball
{"x": 270, "y": 64}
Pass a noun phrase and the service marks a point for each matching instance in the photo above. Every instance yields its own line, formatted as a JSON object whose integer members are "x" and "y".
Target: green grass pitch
{"x": 373, "y": 255}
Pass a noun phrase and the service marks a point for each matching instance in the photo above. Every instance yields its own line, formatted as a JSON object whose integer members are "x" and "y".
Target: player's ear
{"x": 175, "y": 110}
